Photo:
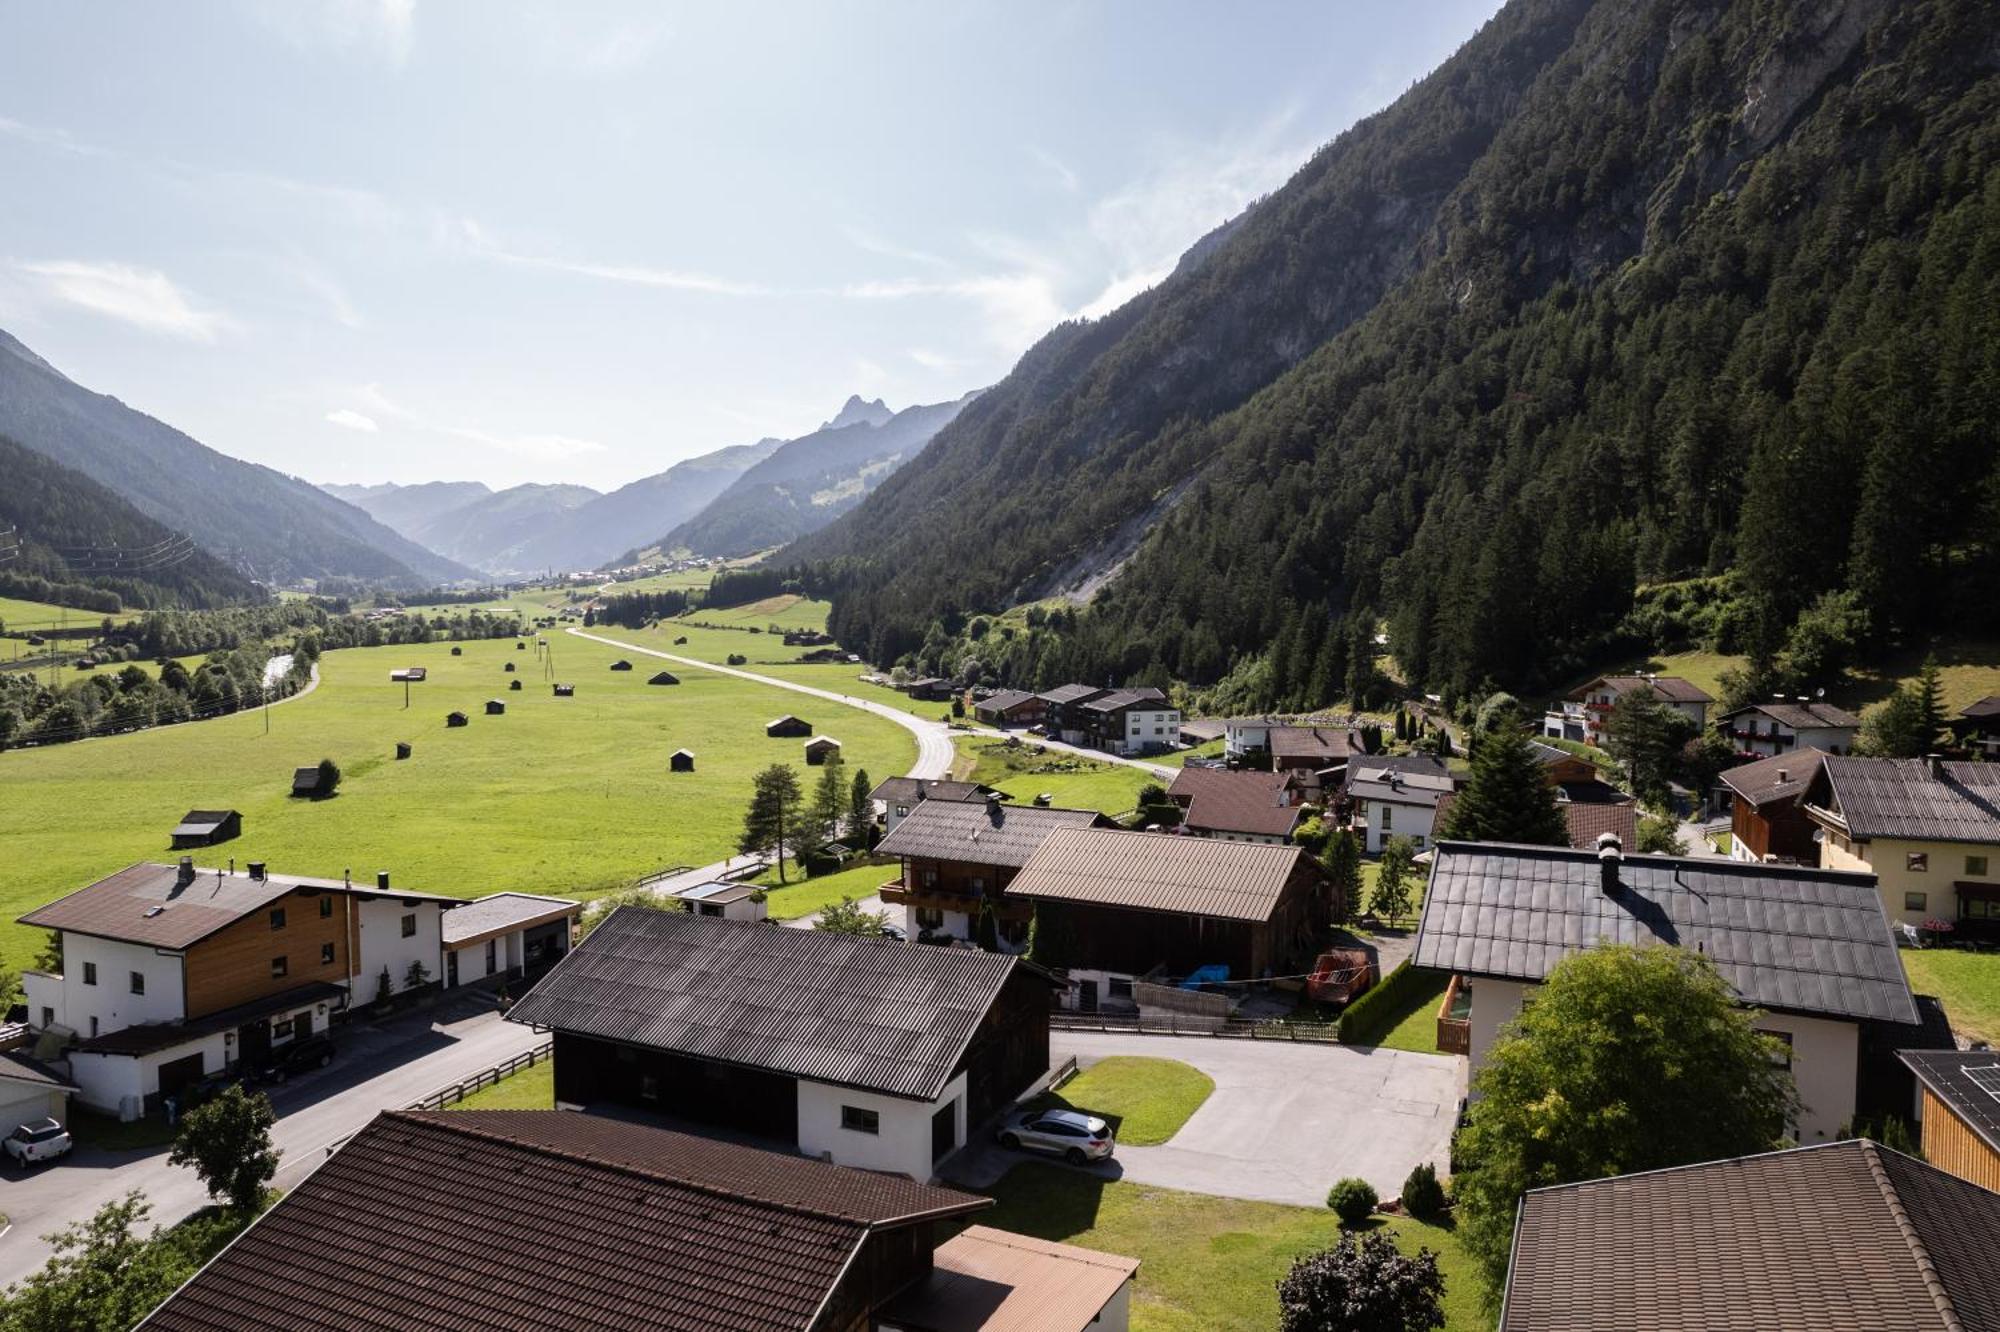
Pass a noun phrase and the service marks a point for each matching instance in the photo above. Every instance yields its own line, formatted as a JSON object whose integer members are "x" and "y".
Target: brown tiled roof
{"x": 548, "y": 1221}
{"x": 1252, "y": 803}
{"x": 1759, "y": 783}
{"x": 988, "y": 1280}
{"x": 150, "y": 1037}
{"x": 1588, "y": 822}
{"x": 1845, "y": 1235}
{"x": 986, "y": 832}
{"x": 839, "y": 1008}
{"x": 1800, "y": 940}
{"x": 1195, "y": 876}
{"x": 502, "y": 913}
{"x": 1672, "y": 688}
{"x": 909, "y": 790}
{"x": 1002, "y": 701}
{"x": 148, "y": 904}
{"x": 1904, "y": 798}
{"x": 1318, "y": 742}
{"x": 1801, "y": 716}
{"x": 1984, "y": 708}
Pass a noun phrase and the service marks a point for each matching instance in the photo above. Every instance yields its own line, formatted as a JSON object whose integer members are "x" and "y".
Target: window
{"x": 48, "y": 1017}
{"x": 90, "y": 973}
{"x": 281, "y": 1029}
{"x": 325, "y": 905}
{"x": 410, "y": 925}
{"x": 492, "y": 956}
{"x": 1388, "y": 817}
{"x": 138, "y": 982}
{"x": 1975, "y": 866}
{"x": 1917, "y": 862}
{"x": 1121, "y": 988}
{"x": 1782, "y": 1058}
{"x": 649, "y": 1087}
{"x": 705, "y": 908}
{"x": 278, "y": 967}
{"x": 902, "y": 811}
{"x": 93, "y": 1024}
{"x": 277, "y": 918}
{"x": 326, "y": 955}
{"x": 929, "y": 918}
{"x": 1915, "y": 901}
{"x": 976, "y": 884}
{"x": 856, "y": 1120}
{"x": 1417, "y": 841}
{"x": 1979, "y": 910}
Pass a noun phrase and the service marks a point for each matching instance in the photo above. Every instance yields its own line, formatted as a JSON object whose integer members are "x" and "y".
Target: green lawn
{"x": 22, "y": 617}
{"x": 808, "y": 897}
{"x": 1024, "y": 771}
{"x": 1416, "y": 1028}
{"x": 533, "y": 1088}
{"x": 1147, "y": 1100}
{"x": 567, "y": 796}
{"x": 1207, "y": 749}
{"x": 1967, "y": 983}
{"x": 1209, "y": 1264}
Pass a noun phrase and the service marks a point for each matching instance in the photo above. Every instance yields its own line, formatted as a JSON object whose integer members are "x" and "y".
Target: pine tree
{"x": 775, "y": 816}
{"x": 1640, "y": 735}
{"x": 1392, "y": 880}
{"x": 1929, "y": 690}
{"x": 861, "y": 810}
{"x": 986, "y": 929}
{"x": 1343, "y": 867}
{"x": 1508, "y": 797}
{"x": 831, "y": 796}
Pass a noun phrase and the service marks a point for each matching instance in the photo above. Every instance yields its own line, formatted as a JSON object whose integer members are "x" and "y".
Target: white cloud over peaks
{"x": 536, "y": 447}
{"x": 143, "y": 297}
{"x": 350, "y": 419}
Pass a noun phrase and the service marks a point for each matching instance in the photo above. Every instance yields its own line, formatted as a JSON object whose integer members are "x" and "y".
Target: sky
{"x": 392, "y": 240}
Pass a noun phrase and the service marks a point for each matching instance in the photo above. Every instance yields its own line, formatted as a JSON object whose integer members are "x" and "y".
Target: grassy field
{"x": 20, "y": 617}
{"x": 1146, "y": 1100}
{"x": 1024, "y": 771}
{"x": 1967, "y": 983}
{"x": 1968, "y": 668}
{"x": 1210, "y": 1264}
{"x": 1416, "y": 1029}
{"x": 559, "y": 795}
{"x": 531, "y": 1089}
{"x": 808, "y": 897}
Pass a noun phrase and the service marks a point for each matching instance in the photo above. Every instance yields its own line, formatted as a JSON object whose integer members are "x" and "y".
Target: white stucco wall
{"x": 111, "y": 1000}
{"x": 472, "y": 958}
{"x": 904, "y": 1143}
{"x": 1407, "y": 821}
{"x": 382, "y": 943}
{"x": 23, "y": 1104}
{"x": 1888, "y": 859}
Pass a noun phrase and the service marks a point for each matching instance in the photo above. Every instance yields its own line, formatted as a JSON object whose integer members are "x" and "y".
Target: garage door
{"x": 22, "y": 1105}
{"x": 176, "y": 1075}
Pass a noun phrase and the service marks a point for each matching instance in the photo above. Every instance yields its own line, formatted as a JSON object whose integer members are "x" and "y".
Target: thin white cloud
{"x": 933, "y": 360}
{"x": 867, "y": 240}
{"x": 1122, "y": 289}
{"x": 1056, "y": 167}
{"x": 469, "y": 235}
{"x": 533, "y": 446}
{"x": 42, "y": 136}
{"x": 349, "y": 419}
{"x": 323, "y": 288}
{"x": 143, "y": 297}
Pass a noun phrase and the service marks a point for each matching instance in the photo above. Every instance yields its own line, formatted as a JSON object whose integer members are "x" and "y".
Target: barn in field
{"x": 821, "y": 748}
{"x": 682, "y": 760}
{"x": 787, "y": 726}
{"x": 206, "y": 827}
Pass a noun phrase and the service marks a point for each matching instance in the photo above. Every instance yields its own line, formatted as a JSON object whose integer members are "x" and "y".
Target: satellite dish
{"x": 1820, "y": 692}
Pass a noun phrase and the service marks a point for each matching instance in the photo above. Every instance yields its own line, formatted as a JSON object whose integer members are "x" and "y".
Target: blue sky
{"x": 370, "y": 240}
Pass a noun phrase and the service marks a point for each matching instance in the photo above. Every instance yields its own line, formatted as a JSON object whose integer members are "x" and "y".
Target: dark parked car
{"x": 297, "y": 1057}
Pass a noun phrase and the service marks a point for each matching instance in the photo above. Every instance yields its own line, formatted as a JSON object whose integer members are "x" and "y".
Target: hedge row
{"x": 1368, "y": 1018}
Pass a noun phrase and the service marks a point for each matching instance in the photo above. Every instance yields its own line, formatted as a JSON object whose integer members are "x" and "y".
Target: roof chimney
{"x": 186, "y": 875}
{"x": 257, "y": 870}
{"x": 1784, "y": 775}
{"x": 1610, "y": 853}
{"x": 382, "y": 880}
{"x": 1935, "y": 764}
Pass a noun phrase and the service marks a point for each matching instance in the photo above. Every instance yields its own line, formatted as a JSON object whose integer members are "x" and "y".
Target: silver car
{"x": 1076, "y": 1137}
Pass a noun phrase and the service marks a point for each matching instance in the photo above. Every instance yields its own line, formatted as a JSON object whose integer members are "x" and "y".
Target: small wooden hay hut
{"x": 682, "y": 760}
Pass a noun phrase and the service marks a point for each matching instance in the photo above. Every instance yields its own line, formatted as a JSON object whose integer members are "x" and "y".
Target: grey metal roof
{"x": 1801, "y": 940}
{"x": 1843, "y": 1235}
{"x": 860, "y": 1012}
{"x": 17, "y": 1067}
{"x": 1194, "y": 876}
{"x": 1329, "y": 742}
{"x": 1000, "y": 702}
{"x": 148, "y": 904}
{"x": 1366, "y": 781}
{"x": 1985, "y": 707}
{"x": 910, "y": 790}
{"x": 1807, "y": 714}
{"x": 501, "y": 913}
{"x": 1071, "y": 693}
{"x": 199, "y": 821}
{"x": 985, "y": 832}
{"x": 1966, "y": 1080}
{"x": 1779, "y": 778}
{"x": 1909, "y": 798}
{"x": 1120, "y": 699}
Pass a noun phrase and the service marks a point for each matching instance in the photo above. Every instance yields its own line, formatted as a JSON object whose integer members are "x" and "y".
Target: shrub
{"x": 1423, "y": 1196}
{"x": 1352, "y": 1200}
{"x": 329, "y": 776}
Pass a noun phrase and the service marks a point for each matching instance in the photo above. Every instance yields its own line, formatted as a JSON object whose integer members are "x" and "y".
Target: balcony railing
{"x": 1454, "y": 1025}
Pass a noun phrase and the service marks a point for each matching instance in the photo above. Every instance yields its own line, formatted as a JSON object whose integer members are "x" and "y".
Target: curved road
{"x": 934, "y": 751}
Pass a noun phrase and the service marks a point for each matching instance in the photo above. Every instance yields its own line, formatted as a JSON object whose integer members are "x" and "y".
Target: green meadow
{"x": 1071, "y": 781}
{"x": 23, "y": 617}
{"x": 559, "y": 795}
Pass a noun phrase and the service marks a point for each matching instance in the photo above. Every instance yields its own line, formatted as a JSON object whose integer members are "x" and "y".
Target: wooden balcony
{"x": 1454, "y": 1027}
{"x": 896, "y": 893}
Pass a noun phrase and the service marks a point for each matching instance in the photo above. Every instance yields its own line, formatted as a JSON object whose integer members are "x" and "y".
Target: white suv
{"x": 46, "y": 1141}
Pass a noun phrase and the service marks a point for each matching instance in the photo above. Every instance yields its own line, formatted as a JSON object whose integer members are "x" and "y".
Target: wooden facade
{"x": 234, "y": 965}
{"x": 957, "y": 885}
{"x": 1135, "y": 940}
{"x": 1951, "y": 1145}
{"x": 1778, "y": 828}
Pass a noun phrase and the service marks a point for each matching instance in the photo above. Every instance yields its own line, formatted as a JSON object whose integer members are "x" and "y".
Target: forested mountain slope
{"x": 1624, "y": 292}
{"x": 808, "y": 482}
{"x": 272, "y": 526}
{"x": 67, "y": 540}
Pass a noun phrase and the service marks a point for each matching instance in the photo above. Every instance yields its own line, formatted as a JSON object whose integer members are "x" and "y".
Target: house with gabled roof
{"x": 1238, "y": 806}
{"x": 1928, "y": 829}
{"x": 1842, "y": 1235}
{"x": 1958, "y": 1111}
{"x": 1767, "y": 813}
{"x": 870, "y": 1051}
{"x": 958, "y": 856}
{"x": 206, "y": 827}
{"x": 1978, "y": 726}
{"x": 1810, "y": 949}
{"x": 1789, "y": 725}
{"x": 1584, "y": 711}
{"x": 1396, "y": 797}
{"x": 899, "y": 795}
{"x": 1125, "y": 721}
{"x": 1010, "y": 707}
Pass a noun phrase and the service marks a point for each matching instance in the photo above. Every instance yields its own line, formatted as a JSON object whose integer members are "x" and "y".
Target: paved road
{"x": 381, "y": 1066}
{"x": 1284, "y": 1122}
{"x": 934, "y": 751}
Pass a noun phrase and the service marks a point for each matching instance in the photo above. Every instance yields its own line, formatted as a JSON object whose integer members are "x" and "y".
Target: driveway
{"x": 381, "y": 1066}
{"x": 1284, "y": 1122}
{"x": 934, "y": 751}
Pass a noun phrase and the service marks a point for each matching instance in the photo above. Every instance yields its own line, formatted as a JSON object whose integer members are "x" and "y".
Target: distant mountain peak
{"x": 858, "y": 411}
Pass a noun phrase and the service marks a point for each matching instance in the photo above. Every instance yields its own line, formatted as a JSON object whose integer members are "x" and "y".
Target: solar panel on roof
{"x": 1987, "y": 1079}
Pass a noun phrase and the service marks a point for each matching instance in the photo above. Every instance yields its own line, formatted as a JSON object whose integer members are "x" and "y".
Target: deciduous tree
{"x": 1392, "y": 880}
{"x": 227, "y": 1140}
{"x": 1363, "y": 1284}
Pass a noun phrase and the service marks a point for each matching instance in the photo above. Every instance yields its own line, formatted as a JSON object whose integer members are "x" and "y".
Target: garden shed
{"x": 565, "y": 691}
{"x": 495, "y": 708}
{"x": 787, "y": 726}
{"x": 681, "y": 761}
{"x": 305, "y": 781}
{"x": 664, "y": 678}
{"x": 821, "y": 748}
{"x": 206, "y": 827}
{"x": 456, "y": 719}
{"x": 402, "y": 749}
{"x": 514, "y": 684}
{"x": 621, "y": 665}
{"x": 457, "y": 651}
{"x": 509, "y": 668}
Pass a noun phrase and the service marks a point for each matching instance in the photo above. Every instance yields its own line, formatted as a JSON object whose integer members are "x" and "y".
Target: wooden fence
{"x": 1326, "y": 1033}
{"x": 458, "y": 1091}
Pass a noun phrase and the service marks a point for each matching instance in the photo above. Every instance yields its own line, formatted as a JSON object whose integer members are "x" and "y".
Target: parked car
{"x": 311, "y": 1052}
{"x": 895, "y": 932}
{"x": 43, "y": 1141}
{"x": 1074, "y": 1136}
